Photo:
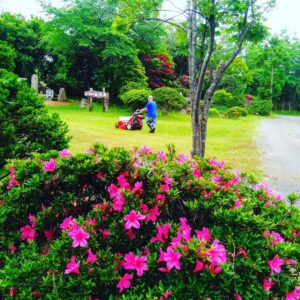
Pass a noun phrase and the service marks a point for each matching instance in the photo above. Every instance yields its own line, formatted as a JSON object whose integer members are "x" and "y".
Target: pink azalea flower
{"x": 32, "y": 220}
{"x": 65, "y": 153}
{"x": 49, "y": 166}
{"x": 238, "y": 297}
{"x": 72, "y": 266}
{"x": 164, "y": 270}
{"x": 294, "y": 295}
{"x": 130, "y": 233}
{"x": 291, "y": 262}
{"x": 275, "y": 264}
{"x": 113, "y": 191}
{"x": 217, "y": 164}
{"x": 162, "y": 232}
{"x": 167, "y": 294}
{"x": 100, "y": 175}
{"x": 243, "y": 252}
{"x": 182, "y": 158}
{"x": 141, "y": 264}
{"x": 276, "y": 238}
{"x": 145, "y": 150}
{"x": 122, "y": 181}
{"x": 153, "y": 214}
{"x": 49, "y": 234}
{"x": 216, "y": 178}
{"x": 89, "y": 151}
{"x": 217, "y": 253}
{"x": 129, "y": 261}
{"x": 185, "y": 229}
{"x": 66, "y": 223}
{"x": 199, "y": 266}
{"x": 161, "y": 155}
{"x": 167, "y": 180}
{"x": 132, "y": 262}
{"x": 12, "y": 180}
{"x": 12, "y": 248}
{"x": 28, "y": 233}
{"x": 137, "y": 187}
{"x": 237, "y": 204}
{"x": 267, "y": 284}
{"x": 160, "y": 199}
{"x": 105, "y": 233}
{"x": 172, "y": 259}
{"x": 118, "y": 202}
{"x": 270, "y": 203}
{"x": 124, "y": 282}
{"x": 93, "y": 222}
{"x": 203, "y": 234}
{"x": 132, "y": 220}
{"x": 91, "y": 257}
{"x": 79, "y": 237}
{"x": 164, "y": 188}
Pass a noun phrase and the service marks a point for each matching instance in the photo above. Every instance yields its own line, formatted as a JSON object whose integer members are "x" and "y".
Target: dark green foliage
{"x": 169, "y": 99}
{"x": 237, "y": 213}
{"x": 261, "y": 107}
{"x": 136, "y": 98}
{"x": 7, "y": 57}
{"x": 25, "y": 124}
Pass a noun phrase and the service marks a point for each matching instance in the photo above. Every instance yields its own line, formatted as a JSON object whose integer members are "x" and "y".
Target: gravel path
{"x": 279, "y": 142}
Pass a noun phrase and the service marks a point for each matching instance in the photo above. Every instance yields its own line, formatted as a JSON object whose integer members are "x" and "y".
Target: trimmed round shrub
{"x": 114, "y": 224}
{"x": 232, "y": 113}
{"x": 261, "y": 107}
{"x": 136, "y": 98}
{"x": 224, "y": 98}
{"x": 25, "y": 124}
{"x": 213, "y": 113}
{"x": 169, "y": 99}
{"x": 132, "y": 85}
{"x": 235, "y": 112}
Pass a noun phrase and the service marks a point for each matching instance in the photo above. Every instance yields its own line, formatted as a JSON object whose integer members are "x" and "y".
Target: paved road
{"x": 279, "y": 142}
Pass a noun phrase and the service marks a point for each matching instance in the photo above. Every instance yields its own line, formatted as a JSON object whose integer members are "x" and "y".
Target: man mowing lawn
{"x": 151, "y": 114}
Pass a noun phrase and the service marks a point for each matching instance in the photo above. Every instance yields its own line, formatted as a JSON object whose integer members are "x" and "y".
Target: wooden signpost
{"x": 96, "y": 94}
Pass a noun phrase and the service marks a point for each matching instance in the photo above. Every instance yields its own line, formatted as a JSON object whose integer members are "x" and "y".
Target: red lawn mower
{"x": 131, "y": 123}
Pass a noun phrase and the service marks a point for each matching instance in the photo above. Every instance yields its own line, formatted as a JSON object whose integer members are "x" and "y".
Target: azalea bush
{"x": 118, "y": 224}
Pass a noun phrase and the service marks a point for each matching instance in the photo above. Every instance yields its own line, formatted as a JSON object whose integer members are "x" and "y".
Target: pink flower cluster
{"x": 78, "y": 235}
{"x": 13, "y": 181}
{"x": 116, "y": 192}
{"x": 273, "y": 237}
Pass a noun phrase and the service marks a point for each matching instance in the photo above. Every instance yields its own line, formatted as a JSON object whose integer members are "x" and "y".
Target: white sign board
{"x": 96, "y": 94}
{"x": 49, "y": 94}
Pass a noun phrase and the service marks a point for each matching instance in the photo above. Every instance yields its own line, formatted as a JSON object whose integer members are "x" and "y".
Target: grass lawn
{"x": 228, "y": 139}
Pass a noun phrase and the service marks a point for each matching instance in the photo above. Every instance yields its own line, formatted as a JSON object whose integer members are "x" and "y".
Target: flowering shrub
{"x": 141, "y": 225}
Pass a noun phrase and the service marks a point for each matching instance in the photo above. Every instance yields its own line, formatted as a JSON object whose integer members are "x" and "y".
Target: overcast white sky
{"x": 286, "y": 15}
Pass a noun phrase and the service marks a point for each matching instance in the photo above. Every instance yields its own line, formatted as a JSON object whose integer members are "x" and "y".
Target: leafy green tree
{"x": 275, "y": 65}
{"x": 92, "y": 46}
{"x": 25, "y": 38}
{"x": 26, "y": 126}
{"x": 236, "y": 78}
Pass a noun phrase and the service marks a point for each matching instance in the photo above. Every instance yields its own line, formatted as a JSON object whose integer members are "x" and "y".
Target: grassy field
{"x": 228, "y": 139}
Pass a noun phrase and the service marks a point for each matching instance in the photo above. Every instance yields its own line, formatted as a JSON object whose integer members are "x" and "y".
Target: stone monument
{"x": 62, "y": 95}
{"x": 35, "y": 83}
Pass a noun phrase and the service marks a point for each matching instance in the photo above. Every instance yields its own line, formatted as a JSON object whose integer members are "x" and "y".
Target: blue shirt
{"x": 151, "y": 109}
